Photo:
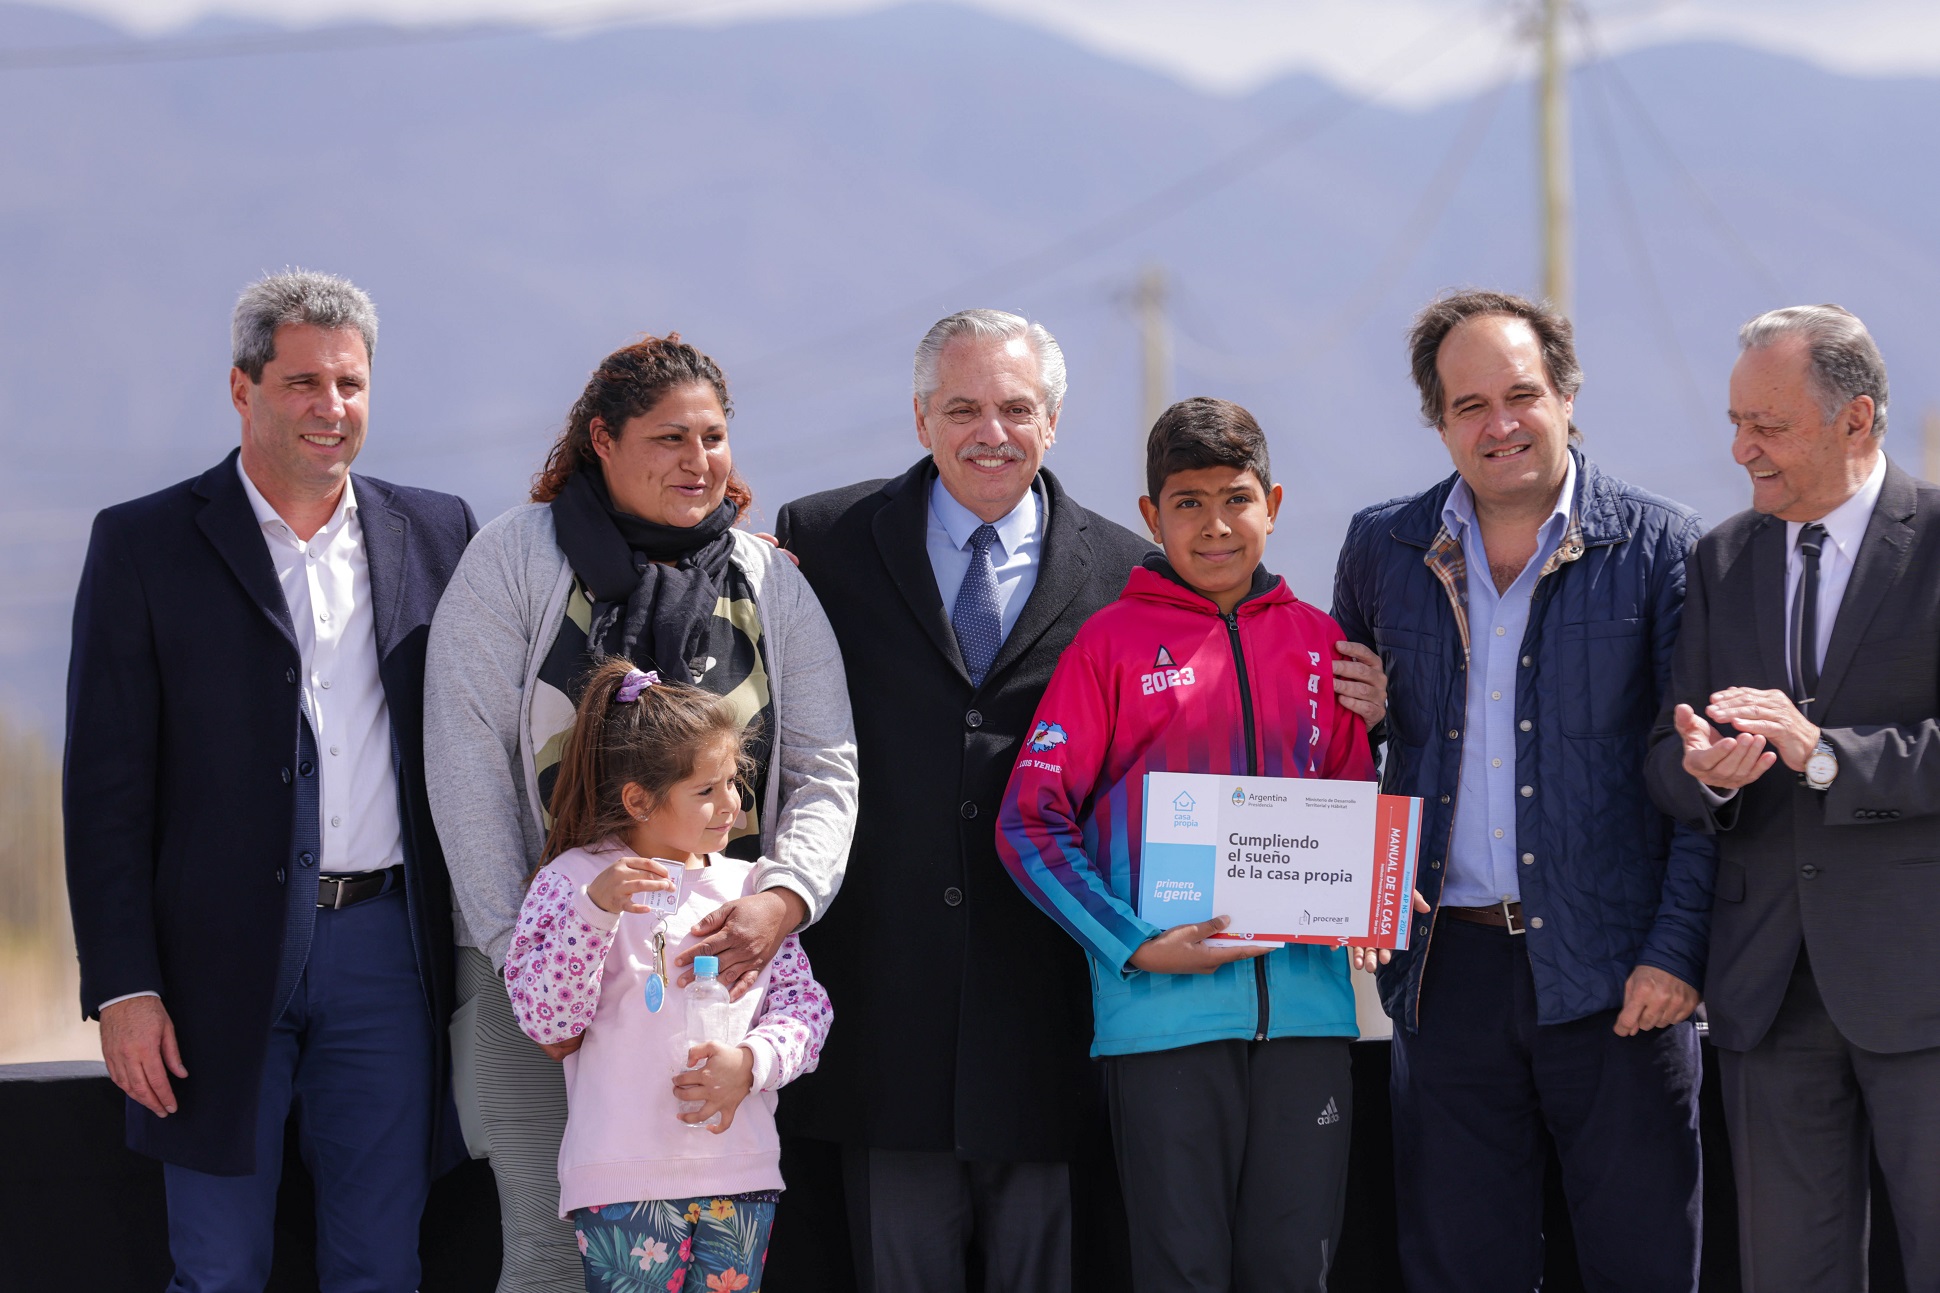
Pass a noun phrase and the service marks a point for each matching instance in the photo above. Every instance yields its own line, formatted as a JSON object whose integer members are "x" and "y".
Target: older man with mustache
{"x": 958, "y": 1084}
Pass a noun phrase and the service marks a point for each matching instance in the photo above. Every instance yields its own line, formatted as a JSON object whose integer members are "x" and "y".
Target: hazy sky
{"x": 1233, "y": 45}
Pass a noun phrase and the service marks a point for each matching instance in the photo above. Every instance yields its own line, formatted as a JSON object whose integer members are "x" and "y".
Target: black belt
{"x": 1504, "y": 915}
{"x": 339, "y": 891}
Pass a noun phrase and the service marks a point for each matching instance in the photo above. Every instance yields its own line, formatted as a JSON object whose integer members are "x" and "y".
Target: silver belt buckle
{"x": 336, "y": 894}
{"x": 1511, "y": 919}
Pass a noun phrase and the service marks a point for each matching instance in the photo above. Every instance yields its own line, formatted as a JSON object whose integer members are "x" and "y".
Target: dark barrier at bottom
{"x": 82, "y": 1214}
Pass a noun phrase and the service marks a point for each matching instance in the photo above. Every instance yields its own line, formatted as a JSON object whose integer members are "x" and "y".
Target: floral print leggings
{"x": 705, "y": 1245}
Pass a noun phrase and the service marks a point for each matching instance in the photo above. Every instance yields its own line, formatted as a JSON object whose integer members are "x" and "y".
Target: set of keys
{"x": 657, "y": 978}
{"x": 662, "y": 903}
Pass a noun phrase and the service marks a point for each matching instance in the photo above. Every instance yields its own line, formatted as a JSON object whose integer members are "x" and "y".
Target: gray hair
{"x": 295, "y": 296}
{"x": 1842, "y": 361}
{"x": 991, "y": 325}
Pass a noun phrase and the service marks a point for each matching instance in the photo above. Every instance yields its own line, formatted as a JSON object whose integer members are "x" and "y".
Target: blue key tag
{"x": 657, "y": 977}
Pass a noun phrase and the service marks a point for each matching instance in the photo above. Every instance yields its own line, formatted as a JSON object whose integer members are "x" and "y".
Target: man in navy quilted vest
{"x": 1525, "y": 609}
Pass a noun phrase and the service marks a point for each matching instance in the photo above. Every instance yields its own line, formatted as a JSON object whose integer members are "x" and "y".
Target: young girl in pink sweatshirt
{"x": 648, "y": 788}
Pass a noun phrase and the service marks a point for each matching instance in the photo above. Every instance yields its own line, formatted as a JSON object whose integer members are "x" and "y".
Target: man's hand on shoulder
{"x": 1361, "y": 682}
{"x": 775, "y": 543}
{"x": 138, "y": 1044}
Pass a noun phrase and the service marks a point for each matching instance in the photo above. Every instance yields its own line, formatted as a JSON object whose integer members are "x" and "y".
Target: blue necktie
{"x": 977, "y": 620}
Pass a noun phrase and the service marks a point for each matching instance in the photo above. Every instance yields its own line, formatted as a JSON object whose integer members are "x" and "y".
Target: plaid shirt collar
{"x": 1449, "y": 563}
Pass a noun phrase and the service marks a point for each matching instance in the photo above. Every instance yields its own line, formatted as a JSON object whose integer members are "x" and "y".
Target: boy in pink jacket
{"x": 1227, "y": 1064}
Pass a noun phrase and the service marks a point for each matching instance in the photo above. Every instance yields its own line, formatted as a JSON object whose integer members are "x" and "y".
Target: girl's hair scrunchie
{"x": 633, "y": 684}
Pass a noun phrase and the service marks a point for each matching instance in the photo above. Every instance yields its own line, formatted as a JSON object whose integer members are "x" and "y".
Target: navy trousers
{"x": 351, "y": 1059}
{"x": 1482, "y": 1086}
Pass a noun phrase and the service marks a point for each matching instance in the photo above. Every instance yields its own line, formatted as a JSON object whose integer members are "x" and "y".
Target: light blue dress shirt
{"x": 1482, "y": 857}
{"x": 1020, "y": 537}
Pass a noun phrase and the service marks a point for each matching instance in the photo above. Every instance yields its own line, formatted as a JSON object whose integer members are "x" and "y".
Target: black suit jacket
{"x": 182, "y": 720}
{"x": 1853, "y": 872}
{"x": 963, "y": 1013}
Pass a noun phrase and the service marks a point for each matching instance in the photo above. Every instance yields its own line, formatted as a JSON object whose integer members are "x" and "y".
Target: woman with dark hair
{"x": 629, "y": 549}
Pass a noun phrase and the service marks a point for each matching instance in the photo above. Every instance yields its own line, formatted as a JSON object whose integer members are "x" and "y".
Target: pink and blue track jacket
{"x": 1160, "y": 681}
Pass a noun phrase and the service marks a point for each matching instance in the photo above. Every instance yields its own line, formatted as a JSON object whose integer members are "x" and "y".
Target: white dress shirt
{"x": 326, "y": 583}
{"x": 1845, "y": 529}
{"x": 1013, "y": 557}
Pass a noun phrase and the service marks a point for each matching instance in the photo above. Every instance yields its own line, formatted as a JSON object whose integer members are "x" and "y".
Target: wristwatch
{"x": 1821, "y": 766}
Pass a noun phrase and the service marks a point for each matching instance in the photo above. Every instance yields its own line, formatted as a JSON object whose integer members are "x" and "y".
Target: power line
{"x": 1635, "y": 104}
{"x": 1437, "y": 194}
{"x": 1659, "y": 306}
{"x": 1110, "y": 230}
{"x": 1436, "y": 197}
{"x": 329, "y": 40}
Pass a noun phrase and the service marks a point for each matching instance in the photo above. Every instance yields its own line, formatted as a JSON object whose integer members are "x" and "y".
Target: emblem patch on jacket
{"x": 1046, "y": 736}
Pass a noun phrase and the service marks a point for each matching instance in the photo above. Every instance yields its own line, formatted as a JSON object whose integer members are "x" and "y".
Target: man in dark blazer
{"x": 260, "y": 906}
{"x": 957, "y": 1082}
{"x": 1806, "y": 733}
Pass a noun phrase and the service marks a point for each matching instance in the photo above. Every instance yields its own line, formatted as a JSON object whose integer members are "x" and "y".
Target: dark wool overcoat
{"x": 183, "y": 774}
{"x": 963, "y": 1014}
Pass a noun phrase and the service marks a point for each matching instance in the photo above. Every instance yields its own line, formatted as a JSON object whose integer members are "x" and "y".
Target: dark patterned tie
{"x": 1805, "y": 615}
{"x": 978, "y": 622}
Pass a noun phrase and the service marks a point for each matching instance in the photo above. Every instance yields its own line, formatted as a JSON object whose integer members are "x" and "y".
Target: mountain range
{"x": 802, "y": 198}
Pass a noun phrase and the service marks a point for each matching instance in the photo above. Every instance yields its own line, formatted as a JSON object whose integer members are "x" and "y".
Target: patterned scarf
{"x": 653, "y": 586}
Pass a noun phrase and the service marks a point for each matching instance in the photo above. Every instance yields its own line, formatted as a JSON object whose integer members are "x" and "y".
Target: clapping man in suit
{"x": 260, "y": 906}
{"x": 1806, "y": 733}
{"x": 957, "y": 1084}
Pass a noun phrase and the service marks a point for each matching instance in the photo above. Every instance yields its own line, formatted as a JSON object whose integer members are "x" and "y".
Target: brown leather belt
{"x": 339, "y": 891}
{"x": 1504, "y": 915}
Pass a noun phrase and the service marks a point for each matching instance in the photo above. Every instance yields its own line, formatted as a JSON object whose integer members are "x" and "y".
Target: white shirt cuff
{"x": 126, "y": 996}
{"x": 1716, "y": 798}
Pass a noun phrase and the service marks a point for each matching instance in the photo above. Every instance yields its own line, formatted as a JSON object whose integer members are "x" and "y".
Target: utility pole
{"x": 1933, "y": 445}
{"x": 1155, "y": 351}
{"x": 1553, "y": 144}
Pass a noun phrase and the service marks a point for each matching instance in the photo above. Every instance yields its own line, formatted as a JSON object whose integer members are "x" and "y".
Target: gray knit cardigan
{"x": 497, "y": 620}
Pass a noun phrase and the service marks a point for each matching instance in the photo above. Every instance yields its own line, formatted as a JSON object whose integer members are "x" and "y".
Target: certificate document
{"x": 1289, "y": 859}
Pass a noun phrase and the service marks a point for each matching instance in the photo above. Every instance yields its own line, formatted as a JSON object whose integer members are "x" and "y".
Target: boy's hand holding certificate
{"x": 1289, "y": 859}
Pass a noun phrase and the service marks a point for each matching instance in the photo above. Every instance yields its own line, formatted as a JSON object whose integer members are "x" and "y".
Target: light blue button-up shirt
{"x": 1482, "y": 856}
{"x": 1020, "y": 537}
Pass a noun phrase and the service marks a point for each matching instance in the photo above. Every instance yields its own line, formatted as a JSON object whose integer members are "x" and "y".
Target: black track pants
{"x": 1233, "y": 1157}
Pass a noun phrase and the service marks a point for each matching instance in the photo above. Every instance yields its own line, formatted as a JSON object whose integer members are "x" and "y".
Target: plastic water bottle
{"x": 709, "y": 1019}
